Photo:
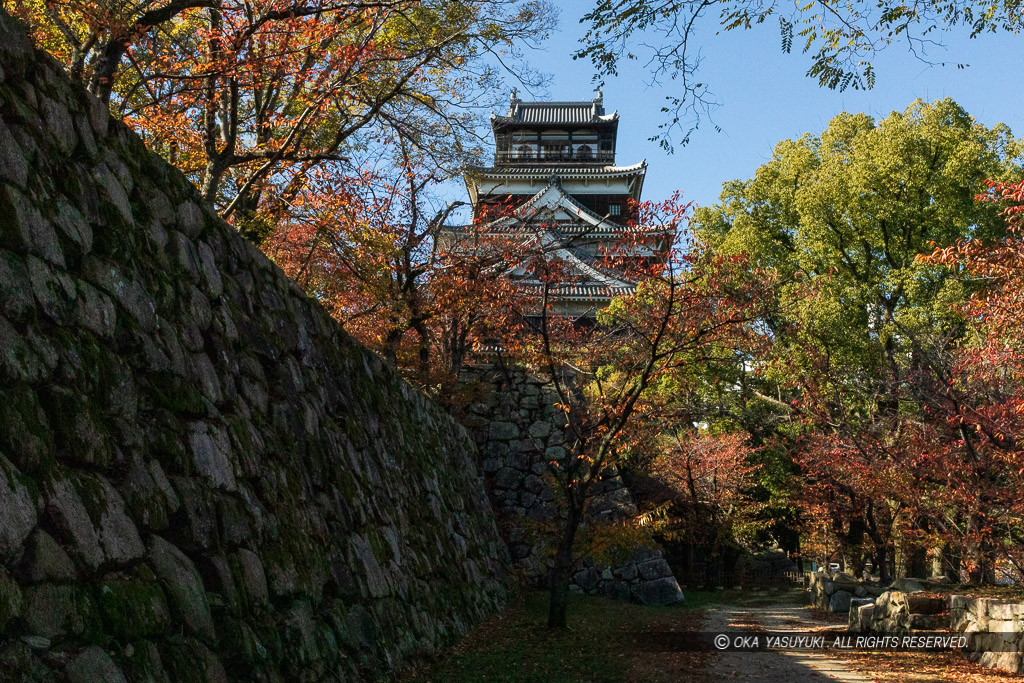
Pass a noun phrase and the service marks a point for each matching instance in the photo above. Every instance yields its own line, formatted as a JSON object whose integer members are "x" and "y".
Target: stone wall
{"x": 834, "y": 592}
{"x": 202, "y": 478}
{"x": 514, "y": 423}
{"x": 995, "y": 630}
{"x": 896, "y": 611}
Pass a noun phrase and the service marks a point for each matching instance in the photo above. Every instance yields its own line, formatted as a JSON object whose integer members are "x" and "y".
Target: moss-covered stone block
{"x": 10, "y": 599}
{"x": 59, "y": 612}
{"x": 133, "y": 604}
{"x": 46, "y": 560}
{"x": 78, "y": 431}
{"x": 19, "y": 663}
{"x": 187, "y": 660}
{"x": 140, "y": 660}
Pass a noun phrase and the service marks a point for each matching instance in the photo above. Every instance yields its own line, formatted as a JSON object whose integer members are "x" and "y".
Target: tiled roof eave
{"x": 544, "y": 172}
{"x": 555, "y": 113}
{"x": 586, "y": 292}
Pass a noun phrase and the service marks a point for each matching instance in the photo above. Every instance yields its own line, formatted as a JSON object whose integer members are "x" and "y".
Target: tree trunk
{"x": 917, "y": 561}
{"x": 881, "y": 559}
{"x": 253, "y": 224}
{"x": 881, "y": 554}
{"x": 102, "y": 82}
{"x": 946, "y": 564}
{"x": 985, "y": 572}
{"x": 561, "y": 572}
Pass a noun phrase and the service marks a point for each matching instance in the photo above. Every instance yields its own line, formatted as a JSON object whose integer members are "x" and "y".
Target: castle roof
{"x": 553, "y": 201}
{"x": 563, "y": 221}
{"x": 477, "y": 176}
{"x": 555, "y": 113}
{"x": 528, "y": 170}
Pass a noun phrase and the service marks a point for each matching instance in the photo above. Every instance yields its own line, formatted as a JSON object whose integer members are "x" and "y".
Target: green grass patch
{"x": 601, "y": 644}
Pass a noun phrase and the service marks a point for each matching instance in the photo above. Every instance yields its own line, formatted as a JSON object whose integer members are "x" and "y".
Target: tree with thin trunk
{"x": 607, "y": 375}
{"x": 380, "y": 255}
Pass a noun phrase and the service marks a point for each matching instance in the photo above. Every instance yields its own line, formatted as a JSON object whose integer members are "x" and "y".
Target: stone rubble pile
{"x": 835, "y": 592}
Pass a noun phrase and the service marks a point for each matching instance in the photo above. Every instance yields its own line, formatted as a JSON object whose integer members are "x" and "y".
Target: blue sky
{"x": 766, "y": 97}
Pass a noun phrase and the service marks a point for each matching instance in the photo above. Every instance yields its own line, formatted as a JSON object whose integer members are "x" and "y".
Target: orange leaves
{"x": 246, "y": 98}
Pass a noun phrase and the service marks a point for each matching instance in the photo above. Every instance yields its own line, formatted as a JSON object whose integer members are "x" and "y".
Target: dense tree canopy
{"x": 864, "y": 329}
{"x": 853, "y": 207}
{"x": 246, "y": 96}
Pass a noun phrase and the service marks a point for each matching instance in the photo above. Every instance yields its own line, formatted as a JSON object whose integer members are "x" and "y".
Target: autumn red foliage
{"x": 378, "y": 256}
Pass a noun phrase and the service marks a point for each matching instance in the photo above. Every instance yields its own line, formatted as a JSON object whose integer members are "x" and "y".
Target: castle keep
{"x": 554, "y": 178}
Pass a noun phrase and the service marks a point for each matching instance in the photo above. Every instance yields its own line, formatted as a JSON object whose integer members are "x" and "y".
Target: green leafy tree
{"x": 842, "y": 216}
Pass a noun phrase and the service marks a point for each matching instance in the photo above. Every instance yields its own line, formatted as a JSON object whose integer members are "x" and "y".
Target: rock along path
{"x": 772, "y": 665}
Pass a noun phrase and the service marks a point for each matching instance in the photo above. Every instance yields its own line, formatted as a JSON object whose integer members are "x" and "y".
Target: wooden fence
{"x": 711, "y": 579}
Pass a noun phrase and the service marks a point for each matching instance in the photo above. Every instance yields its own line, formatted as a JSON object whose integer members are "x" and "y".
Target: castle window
{"x": 553, "y": 152}
{"x": 615, "y": 209}
{"x": 524, "y": 152}
{"x": 584, "y": 153}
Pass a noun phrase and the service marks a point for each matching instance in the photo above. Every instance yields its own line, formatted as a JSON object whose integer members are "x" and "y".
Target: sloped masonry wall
{"x": 201, "y": 477}
{"x": 513, "y": 422}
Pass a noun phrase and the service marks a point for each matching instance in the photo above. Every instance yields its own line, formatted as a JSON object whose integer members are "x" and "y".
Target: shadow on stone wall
{"x": 202, "y": 478}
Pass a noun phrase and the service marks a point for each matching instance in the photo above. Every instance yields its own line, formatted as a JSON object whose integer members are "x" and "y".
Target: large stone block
{"x": 908, "y": 585}
{"x": 861, "y": 617}
{"x": 927, "y": 622}
{"x": 17, "y": 510}
{"x": 183, "y": 585}
{"x": 117, "y": 533}
{"x": 60, "y": 611}
{"x": 918, "y": 604}
{"x": 1007, "y": 611}
{"x": 10, "y": 599}
{"x": 503, "y": 431}
{"x": 1008, "y": 661}
{"x": 93, "y": 665}
{"x": 663, "y": 591}
{"x": 839, "y": 602}
{"x": 72, "y": 523}
{"x": 45, "y": 560}
{"x": 654, "y": 569}
{"x": 133, "y": 605}
{"x": 587, "y": 579}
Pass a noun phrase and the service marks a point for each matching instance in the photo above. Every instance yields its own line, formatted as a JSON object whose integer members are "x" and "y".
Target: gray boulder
{"x": 93, "y": 665}
{"x": 907, "y": 585}
{"x": 664, "y": 591}
{"x": 840, "y": 601}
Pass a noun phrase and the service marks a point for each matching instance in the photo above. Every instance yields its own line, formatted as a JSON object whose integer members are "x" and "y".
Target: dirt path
{"x": 773, "y": 665}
